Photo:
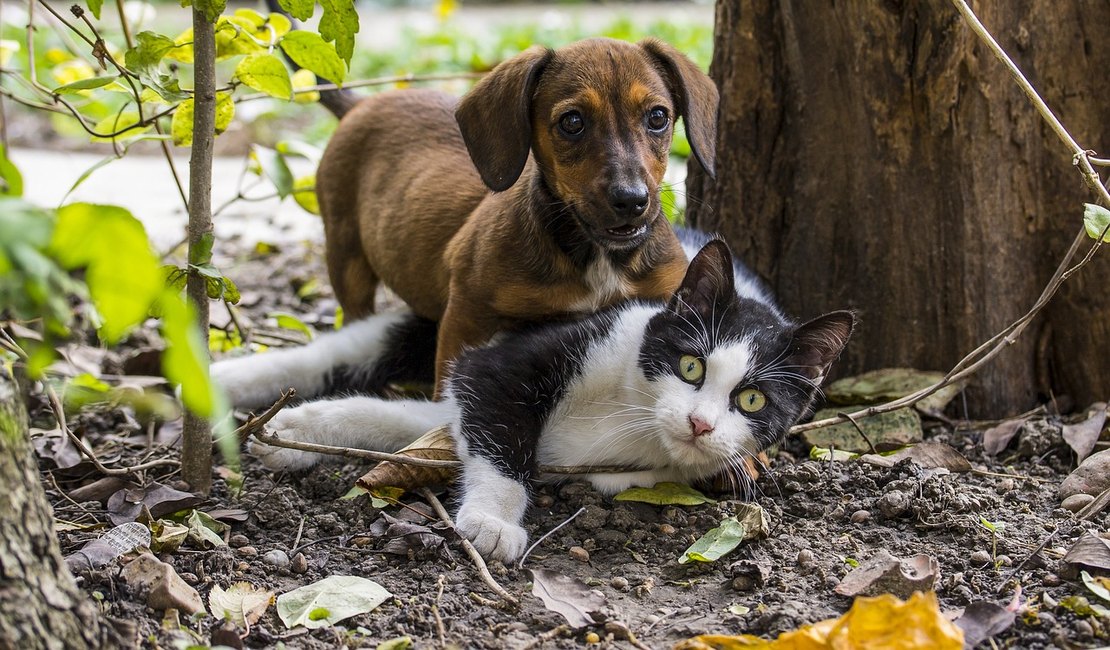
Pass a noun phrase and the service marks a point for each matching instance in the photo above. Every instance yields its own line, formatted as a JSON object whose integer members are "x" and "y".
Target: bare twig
{"x": 441, "y": 631}
{"x": 257, "y": 423}
{"x": 520, "y": 565}
{"x": 475, "y": 556}
{"x": 347, "y": 452}
{"x": 378, "y": 81}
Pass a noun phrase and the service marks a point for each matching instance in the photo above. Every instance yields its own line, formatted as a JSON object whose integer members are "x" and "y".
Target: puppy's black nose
{"x": 628, "y": 201}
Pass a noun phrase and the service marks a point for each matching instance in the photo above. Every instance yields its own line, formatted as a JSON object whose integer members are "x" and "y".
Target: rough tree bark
{"x": 875, "y": 155}
{"x": 40, "y": 605}
{"x": 196, "y": 453}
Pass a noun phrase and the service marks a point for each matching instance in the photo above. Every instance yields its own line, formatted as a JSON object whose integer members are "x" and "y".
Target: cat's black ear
{"x": 819, "y": 342}
{"x": 709, "y": 281}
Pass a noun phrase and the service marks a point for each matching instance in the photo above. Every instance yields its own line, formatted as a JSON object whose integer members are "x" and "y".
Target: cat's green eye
{"x": 691, "y": 368}
{"x": 751, "y": 400}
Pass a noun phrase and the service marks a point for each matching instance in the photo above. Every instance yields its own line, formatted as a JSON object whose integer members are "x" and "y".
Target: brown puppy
{"x": 573, "y": 144}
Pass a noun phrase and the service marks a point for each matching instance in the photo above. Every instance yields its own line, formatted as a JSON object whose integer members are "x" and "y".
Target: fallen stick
{"x": 483, "y": 570}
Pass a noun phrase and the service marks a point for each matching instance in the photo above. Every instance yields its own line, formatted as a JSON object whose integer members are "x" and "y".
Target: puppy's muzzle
{"x": 628, "y": 203}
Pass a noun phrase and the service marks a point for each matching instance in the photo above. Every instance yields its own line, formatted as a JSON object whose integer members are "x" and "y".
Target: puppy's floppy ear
{"x": 495, "y": 118}
{"x": 696, "y": 98}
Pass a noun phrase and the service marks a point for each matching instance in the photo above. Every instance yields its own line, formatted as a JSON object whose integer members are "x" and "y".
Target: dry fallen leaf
{"x": 570, "y": 597}
{"x": 126, "y": 504}
{"x": 112, "y": 544}
{"x": 1090, "y": 550}
{"x": 930, "y": 455}
{"x": 242, "y": 603}
{"x": 997, "y": 437}
{"x": 435, "y": 445}
{"x": 405, "y": 536}
{"x": 982, "y": 620}
{"x": 884, "y": 573}
{"x": 882, "y": 622}
{"x": 1082, "y": 436}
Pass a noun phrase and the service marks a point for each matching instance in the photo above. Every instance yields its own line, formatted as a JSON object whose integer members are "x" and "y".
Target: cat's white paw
{"x": 495, "y": 539}
{"x": 296, "y": 424}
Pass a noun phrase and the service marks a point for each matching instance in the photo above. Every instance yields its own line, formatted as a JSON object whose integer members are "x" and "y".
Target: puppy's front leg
{"x": 462, "y": 326}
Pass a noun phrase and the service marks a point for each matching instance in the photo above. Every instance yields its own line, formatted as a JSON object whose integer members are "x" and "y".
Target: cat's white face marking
{"x": 679, "y": 402}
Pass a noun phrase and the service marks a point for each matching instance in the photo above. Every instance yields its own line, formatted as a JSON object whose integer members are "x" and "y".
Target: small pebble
{"x": 579, "y": 553}
{"x": 299, "y": 563}
{"x": 805, "y": 557}
{"x": 277, "y": 558}
{"x": 683, "y": 611}
{"x": 238, "y": 541}
{"x": 544, "y": 501}
{"x": 190, "y": 578}
{"x": 667, "y": 529}
{"x": 894, "y": 504}
{"x": 831, "y": 582}
{"x": 1006, "y": 485}
{"x": 860, "y": 516}
{"x": 242, "y": 566}
{"x": 743, "y": 583}
{"x": 1076, "y": 502}
{"x": 620, "y": 583}
{"x": 248, "y": 551}
{"x": 980, "y": 557}
{"x": 651, "y": 619}
{"x": 1083, "y": 628}
{"x": 1046, "y": 619}
{"x": 1005, "y": 560}
{"x": 1051, "y": 580}
{"x": 592, "y": 637}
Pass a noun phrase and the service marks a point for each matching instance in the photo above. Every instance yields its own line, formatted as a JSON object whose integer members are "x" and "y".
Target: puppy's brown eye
{"x": 657, "y": 119}
{"x": 572, "y": 123}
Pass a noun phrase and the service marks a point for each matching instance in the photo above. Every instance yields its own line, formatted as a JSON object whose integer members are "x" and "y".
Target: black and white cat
{"x": 686, "y": 388}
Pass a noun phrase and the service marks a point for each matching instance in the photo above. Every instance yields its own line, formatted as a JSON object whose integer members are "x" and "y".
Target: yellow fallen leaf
{"x": 880, "y": 623}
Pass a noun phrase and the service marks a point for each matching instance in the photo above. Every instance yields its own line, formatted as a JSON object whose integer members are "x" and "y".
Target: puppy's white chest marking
{"x": 606, "y": 286}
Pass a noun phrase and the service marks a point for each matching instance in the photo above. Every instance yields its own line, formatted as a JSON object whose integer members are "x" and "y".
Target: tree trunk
{"x": 196, "y": 447}
{"x": 40, "y": 605}
{"x": 876, "y": 156}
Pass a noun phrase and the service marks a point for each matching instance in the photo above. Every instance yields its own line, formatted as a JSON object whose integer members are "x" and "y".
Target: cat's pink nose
{"x": 698, "y": 426}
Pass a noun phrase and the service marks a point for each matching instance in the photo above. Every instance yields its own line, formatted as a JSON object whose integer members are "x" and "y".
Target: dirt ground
{"x": 631, "y": 549}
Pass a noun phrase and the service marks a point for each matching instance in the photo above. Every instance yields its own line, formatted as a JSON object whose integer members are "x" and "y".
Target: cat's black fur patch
{"x": 507, "y": 391}
{"x": 409, "y": 357}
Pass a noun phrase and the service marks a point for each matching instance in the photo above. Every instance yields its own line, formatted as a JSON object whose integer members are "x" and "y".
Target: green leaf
{"x": 329, "y": 601}
{"x": 83, "y": 84}
{"x": 11, "y": 181}
{"x": 1098, "y": 586}
{"x": 150, "y": 48}
{"x": 181, "y": 128}
{"x": 204, "y": 531}
{"x": 716, "y": 543}
{"x": 304, "y": 193}
{"x": 397, "y": 643}
{"x": 311, "y": 52}
{"x": 665, "y": 494}
{"x": 94, "y": 7}
{"x": 339, "y": 23}
{"x": 299, "y": 9}
{"x": 275, "y": 168}
{"x": 291, "y": 322}
{"x": 185, "y": 360}
{"x": 122, "y": 271}
{"x": 217, "y": 285}
{"x": 265, "y": 73}
{"x": 836, "y": 455}
{"x": 1095, "y": 219}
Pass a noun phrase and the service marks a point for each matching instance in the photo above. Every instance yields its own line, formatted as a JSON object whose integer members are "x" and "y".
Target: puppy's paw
{"x": 294, "y": 424}
{"x": 495, "y": 539}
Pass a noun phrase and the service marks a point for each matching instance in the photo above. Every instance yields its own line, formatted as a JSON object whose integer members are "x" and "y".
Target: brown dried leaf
{"x": 982, "y": 620}
{"x": 242, "y": 603}
{"x": 930, "y": 455}
{"x": 885, "y": 573}
{"x": 435, "y": 445}
{"x": 1090, "y": 550}
{"x": 570, "y": 597}
{"x": 997, "y": 437}
{"x": 1081, "y": 437}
